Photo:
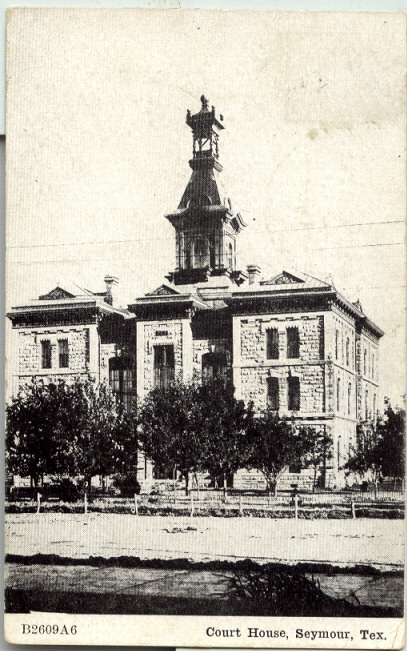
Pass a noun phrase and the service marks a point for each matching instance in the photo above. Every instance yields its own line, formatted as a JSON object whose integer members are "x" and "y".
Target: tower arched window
{"x": 338, "y": 394}
{"x": 230, "y": 256}
{"x": 200, "y": 253}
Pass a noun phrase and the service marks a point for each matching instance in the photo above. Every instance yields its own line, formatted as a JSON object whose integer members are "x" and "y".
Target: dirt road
{"x": 378, "y": 543}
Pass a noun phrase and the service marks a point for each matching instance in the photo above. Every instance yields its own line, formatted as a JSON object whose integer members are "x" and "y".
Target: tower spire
{"x": 205, "y": 224}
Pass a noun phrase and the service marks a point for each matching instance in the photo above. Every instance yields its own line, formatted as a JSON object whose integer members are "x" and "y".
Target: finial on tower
{"x": 205, "y": 103}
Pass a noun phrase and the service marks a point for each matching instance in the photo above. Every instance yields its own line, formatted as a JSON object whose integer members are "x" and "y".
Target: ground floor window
{"x": 121, "y": 380}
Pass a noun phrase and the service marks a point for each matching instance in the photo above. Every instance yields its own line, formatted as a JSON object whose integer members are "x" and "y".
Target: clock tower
{"x": 205, "y": 223}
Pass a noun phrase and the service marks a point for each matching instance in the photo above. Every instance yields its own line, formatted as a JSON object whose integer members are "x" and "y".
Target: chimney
{"x": 254, "y": 273}
{"x": 111, "y": 284}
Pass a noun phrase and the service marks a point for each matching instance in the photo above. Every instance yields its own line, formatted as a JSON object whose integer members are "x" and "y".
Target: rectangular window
{"x": 273, "y": 393}
{"x": 46, "y": 354}
{"x": 293, "y": 393}
{"x": 87, "y": 346}
{"x": 63, "y": 353}
{"x": 293, "y": 343}
{"x": 336, "y": 344}
{"x": 164, "y": 371}
{"x": 272, "y": 343}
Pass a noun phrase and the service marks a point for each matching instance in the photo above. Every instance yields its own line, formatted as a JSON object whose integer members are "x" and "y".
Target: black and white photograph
{"x": 205, "y": 328}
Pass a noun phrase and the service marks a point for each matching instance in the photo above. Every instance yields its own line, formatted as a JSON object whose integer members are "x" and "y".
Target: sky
{"x": 313, "y": 150}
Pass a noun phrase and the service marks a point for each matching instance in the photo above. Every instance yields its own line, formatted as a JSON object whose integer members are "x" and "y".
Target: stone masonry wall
{"x": 309, "y": 367}
{"x": 253, "y": 337}
{"x": 30, "y": 352}
{"x": 161, "y": 333}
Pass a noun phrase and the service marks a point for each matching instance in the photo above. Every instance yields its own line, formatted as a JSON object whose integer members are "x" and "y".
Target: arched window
{"x": 230, "y": 256}
{"x": 338, "y": 394}
{"x": 214, "y": 366}
{"x": 349, "y": 397}
{"x": 200, "y": 253}
{"x": 121, "y": 380}
{"x": 347, "y": 350}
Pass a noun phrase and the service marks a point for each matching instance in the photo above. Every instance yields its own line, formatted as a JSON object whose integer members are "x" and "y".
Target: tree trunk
{"x": 89, "y": 488}
{"x": 275, "y": 488}
{"x": 314, "y": 481}
{"x": 197, "y": 484}
{"x": 225, "y": 487}
{"x": 186, "y": 475}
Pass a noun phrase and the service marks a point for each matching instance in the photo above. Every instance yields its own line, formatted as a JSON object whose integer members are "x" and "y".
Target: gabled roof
{"x": 60, "y": 300}
{"x": 56, "y": 293}
{"x": 296, "y": 279}
{"x": 163, "y": 290}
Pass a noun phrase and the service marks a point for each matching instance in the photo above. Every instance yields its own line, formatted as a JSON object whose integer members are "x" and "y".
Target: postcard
{"x": 205, "y": 374}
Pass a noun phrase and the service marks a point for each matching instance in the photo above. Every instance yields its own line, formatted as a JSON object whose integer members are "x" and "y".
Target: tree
{"x": 275, "y": 444}
{"x": 171, "y": 428}
{"x": 32, "y": 440}
{"x": 391, "y": 441}
{"x": 225, "y": 422}
{"x": 364, "y": 457}
{"x": 75, "y": 429}
{"x": 93, "y": 419}
{"x": 320, "y": 444}
{"x": 194, "y": 427}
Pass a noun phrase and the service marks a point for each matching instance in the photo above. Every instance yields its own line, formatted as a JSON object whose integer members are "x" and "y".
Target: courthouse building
{"x": 291, "y": 342}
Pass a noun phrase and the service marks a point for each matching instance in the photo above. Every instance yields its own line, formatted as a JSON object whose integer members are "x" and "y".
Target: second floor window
{"x": 365, "y": 362}
{"x": 338, "y": 394}
{"x": 46, "y": 354}
{"x": 272, "y": 343}
{"x": 293, "y": 393}
{"x": 336, "y": 344}
{"x": 273, "y": 393}
{"x": 347, "y": 351}
{"x": 63, "y": 353}
{"x": 293, "y": 343}
{"x": 164, "y": 366}
{"x": 349, "y": 397}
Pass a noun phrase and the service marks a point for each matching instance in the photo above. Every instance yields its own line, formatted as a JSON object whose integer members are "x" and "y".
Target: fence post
{"x": 38, "y": 501}
{"x": 296, "y": 506}
{"x": 85, "y": 502}
{"x": 135, "y": 504}
{"x": 352, "y": 505}
{"x": 192, "y": 504}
